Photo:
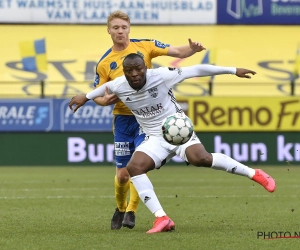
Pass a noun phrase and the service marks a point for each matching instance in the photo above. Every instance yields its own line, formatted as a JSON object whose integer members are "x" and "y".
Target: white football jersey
{"x": 155, "y": 101}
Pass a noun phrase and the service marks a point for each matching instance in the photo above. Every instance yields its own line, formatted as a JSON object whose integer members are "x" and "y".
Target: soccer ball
{"x": 177, "y": 129}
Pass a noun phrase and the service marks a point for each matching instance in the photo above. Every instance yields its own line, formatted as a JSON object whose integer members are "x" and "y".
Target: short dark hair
{"x": 133, "y": 56}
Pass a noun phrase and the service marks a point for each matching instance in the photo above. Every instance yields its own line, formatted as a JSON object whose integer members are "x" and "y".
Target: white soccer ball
{"x": 177, "y": 129}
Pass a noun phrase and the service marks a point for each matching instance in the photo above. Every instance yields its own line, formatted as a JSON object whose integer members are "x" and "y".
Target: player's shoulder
{"x": 106, "y": 55}
{"x": 141, "y": 40}
{"x": 118, "y": 83}
{"x": 158, "y": 71}
{"x": 148, "y": 41}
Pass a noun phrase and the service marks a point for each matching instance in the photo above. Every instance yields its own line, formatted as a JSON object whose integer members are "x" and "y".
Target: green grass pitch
{"x": 71, "y": 207}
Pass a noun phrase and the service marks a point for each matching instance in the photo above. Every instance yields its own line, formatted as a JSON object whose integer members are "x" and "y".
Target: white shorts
{"x": 161, "y": 151}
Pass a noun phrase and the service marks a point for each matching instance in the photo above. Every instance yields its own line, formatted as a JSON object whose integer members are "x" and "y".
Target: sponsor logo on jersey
{"x": 149, "y": 111}
{"x": 113, "y": 65}
{"x": 128, "y": 99}
{"x": 160, "y": 44}
{"x": 153, "y": 92}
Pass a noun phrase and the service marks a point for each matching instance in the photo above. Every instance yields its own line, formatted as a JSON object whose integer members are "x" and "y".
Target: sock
{"x": 146, "y": 192}
{"x": 225, "y": 163}
{"x": 121, "y": 191}
{"x": 134, "y": 199}
{"x": 160, "y": 213}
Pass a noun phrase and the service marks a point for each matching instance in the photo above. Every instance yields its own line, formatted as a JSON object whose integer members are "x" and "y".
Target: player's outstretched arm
{"x": 186, "y": 50}
{"x": 78, "y": 101}
{"x": 244, "y": 73}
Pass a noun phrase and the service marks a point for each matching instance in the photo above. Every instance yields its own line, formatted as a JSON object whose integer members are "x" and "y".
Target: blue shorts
{"x": 127, "y": 136}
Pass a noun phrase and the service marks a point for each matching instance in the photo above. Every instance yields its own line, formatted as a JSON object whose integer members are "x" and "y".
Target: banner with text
{"x": 97, "y": 11}
{"x": 53, "y": 115}
{"x": 258, "y": 12}
{"x": 243, "y": 113}
{"x": 85, "y": 149}
{"x": 207, "y": 113}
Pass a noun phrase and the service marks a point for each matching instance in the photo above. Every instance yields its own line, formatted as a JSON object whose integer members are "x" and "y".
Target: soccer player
{"x": 136, "y": 90}
{"x": 127, "y": 135}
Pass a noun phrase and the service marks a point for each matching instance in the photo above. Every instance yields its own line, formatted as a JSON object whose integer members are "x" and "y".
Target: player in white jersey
{"x": 147, "y": 92}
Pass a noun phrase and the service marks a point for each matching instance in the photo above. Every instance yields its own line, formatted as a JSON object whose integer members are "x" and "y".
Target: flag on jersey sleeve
{"x": 297, "y": 64}
{"x": 33, "y": 55}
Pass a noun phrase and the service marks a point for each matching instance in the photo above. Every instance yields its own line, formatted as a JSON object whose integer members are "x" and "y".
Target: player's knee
{"x": 135, "y": 169}
{"x": 132, "y": 169}
{"x": 122, "y": 175}
{"x": 201, "y": 160}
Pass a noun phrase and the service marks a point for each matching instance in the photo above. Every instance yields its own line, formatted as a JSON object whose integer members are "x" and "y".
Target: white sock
{"x": 146, "y": 192}
{"x": 225, "y": 163}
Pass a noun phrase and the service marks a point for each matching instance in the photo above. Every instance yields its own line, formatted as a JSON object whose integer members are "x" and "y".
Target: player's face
{"x": 135, "y": 72}
{"x": 119, "y": 30}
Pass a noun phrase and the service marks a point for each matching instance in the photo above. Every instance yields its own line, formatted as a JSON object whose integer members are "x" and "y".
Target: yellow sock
{"x": 134, "y": 199}
{"x": 121, "y": 191}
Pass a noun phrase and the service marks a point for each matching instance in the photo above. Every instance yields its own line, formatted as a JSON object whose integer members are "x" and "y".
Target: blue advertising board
{"x": 37, "y": 115}
{"x": 258, "y": 12}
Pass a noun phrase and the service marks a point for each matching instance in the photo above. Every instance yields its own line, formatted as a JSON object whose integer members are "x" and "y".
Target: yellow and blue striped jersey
{"x": 110, "y": 65}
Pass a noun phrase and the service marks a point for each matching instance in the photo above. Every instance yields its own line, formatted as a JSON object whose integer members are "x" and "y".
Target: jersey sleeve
{"x": 172, "y": 76}
{"x": 158, "y": 48}
{"x": 100, "y": 91}
{"x": 101, "y": 75}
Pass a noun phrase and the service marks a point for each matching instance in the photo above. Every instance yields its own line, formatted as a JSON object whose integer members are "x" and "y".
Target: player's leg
{"x": 121, "y": 192}
{"x": 124, "y": 147}
{"x": 194, "y": 152}
{"x": 134, "y": 199}
{"x": 148, "y": 156}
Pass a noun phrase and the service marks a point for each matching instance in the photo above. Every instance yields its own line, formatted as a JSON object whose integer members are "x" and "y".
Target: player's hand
{"x": 78, "y": 101}
{"x": 196, "y": 46}
{"x": 107, "y": 99}
{"x": 244, "y": 73}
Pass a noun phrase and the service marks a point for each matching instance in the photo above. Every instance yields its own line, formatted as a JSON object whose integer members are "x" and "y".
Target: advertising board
{"x": 258, "y": 12}
{"x": 44, "y": 115}
{"x": 86, "y": 149}
{"x": 97, "y": 11}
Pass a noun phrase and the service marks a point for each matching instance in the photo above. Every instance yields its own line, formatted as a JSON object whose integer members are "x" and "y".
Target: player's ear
{"x": 108, "y": 31}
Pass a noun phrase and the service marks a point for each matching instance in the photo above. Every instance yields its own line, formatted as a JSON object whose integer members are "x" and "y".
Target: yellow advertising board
{"x": 74, "y": 50}
{"x": 243, "y": 114}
